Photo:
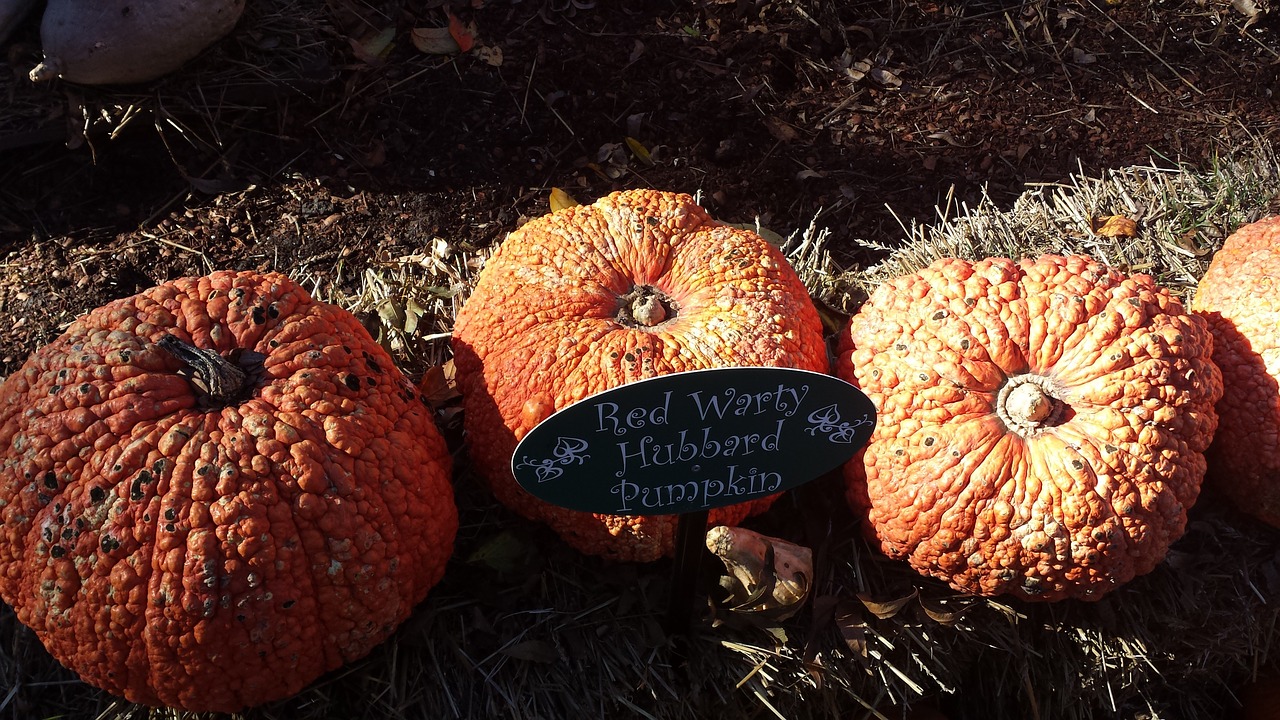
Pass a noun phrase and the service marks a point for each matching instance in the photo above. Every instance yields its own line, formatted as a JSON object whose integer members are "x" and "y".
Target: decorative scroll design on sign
{"x": 568, "y": 450}
{"x": 690, "y": 441}
{"x": 827, "y": 420}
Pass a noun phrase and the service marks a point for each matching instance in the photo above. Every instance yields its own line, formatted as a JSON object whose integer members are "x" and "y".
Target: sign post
{"x": 685, "y": 443}
{"x": 691, "y": 529}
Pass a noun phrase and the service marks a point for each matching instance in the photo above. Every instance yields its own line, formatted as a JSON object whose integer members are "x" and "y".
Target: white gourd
{"x": 99, "y": 42}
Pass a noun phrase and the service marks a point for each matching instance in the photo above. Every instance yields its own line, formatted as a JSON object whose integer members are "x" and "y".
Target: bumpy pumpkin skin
{"x": 1041, "y": 424}
{"x": 214, "y": 558}
{"x": 556, "y": 317}
{"x": 1237, "y": 296}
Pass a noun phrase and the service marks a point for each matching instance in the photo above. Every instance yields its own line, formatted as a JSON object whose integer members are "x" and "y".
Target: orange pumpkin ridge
{"x": 639, "y": 284}
{"x": 1041, "y": 423}
{"x": 181, "y": 540}
{"x": 1237, "y": 298}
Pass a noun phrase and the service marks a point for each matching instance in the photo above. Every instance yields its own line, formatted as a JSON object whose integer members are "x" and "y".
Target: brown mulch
{"x": 285, "y": 148}
{"x": 863, "y": 115}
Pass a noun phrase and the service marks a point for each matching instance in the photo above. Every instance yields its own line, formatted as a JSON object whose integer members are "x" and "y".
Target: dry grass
{"x": 522, "y": 627}
{"x": 1183, "y": 214}
{"x": 585, "y": 639}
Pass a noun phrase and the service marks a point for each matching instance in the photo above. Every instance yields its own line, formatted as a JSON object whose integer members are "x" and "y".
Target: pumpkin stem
{"x": 216, "y": 380}
{"x": 1027, "y": 404}
{"x": 645, "y": 306}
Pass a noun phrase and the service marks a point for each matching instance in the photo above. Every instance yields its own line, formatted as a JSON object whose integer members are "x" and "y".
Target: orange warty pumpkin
{"x": 216, "y": 490}
{"x": 1260, "y": 699}
{"x": 639, "y": 284}
{"x": 1041, "y": 423}
{"x": 1237, "y": 296}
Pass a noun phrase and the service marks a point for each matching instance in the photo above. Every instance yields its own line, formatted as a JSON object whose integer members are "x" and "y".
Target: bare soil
{"x": 858, "y": 117}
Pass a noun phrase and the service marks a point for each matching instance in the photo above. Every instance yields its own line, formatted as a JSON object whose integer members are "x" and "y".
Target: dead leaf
{"x": 463, "y": 35}
{"x": 885, "y": 77}
{"x": 1080, "y": 57}
{"x": 946, "y": 610}
{"x": 1248, "y": 8}
{"x": 490, "y": 55}
{"x": 595, "y": 168}
{"x": 640, "y": 151}
{"x": 612, "y": 159}
{"x": 439, "y": 385}
{"x": 1189, "y": 243}
{"x": 413, "y": 313}
{"x": 434, "y": 41}
{"x": 770, "y": 236}
{"x": 885, "y": 609}
{"x": 865, "y": 30}
{"x": 441, "y": 248}
{"x": 376, "y": 155}
{"x": 853, "y": 627}
{"x": 858, "y": 70}
{"x": 823, "y": 614}
{"x": 832, "y": 320}
{"x": 946, "y": 137}
{"x": 781, "y": 129}
{"x": 505, "y": 552}
{"x": 1066, "y": 15}
{"x": 392, "y": 313}
{"x": 1114, "y": 226}
{"x": 560, "y": 200}
{"x": 372, "y": 49}
{"x": 768, "y": 578}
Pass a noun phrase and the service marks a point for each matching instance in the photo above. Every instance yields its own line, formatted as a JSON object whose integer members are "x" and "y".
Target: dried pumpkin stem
{"x": 645, "y": 306}
{"x": 216, "y": 380}
{"x": 1028, "y": 404}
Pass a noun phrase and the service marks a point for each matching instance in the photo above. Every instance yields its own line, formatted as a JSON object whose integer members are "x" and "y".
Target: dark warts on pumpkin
{"x": 216, "y": 490}
{"x": 1041, "y": 427}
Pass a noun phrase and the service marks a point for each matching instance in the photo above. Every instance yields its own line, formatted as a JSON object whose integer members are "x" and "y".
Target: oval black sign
{"x": 694, "y": 440}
